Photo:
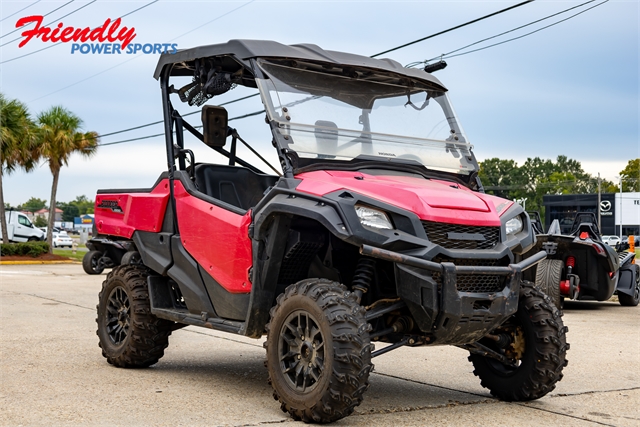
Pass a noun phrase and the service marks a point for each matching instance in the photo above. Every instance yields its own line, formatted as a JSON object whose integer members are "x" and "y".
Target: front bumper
{"x": 444, "y": 314}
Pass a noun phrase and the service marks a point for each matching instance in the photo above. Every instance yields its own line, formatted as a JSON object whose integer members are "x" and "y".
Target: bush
{"x": 27, "y": 249}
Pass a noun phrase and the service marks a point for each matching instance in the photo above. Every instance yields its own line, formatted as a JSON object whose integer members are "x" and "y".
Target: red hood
{"x": 430, "y": 199}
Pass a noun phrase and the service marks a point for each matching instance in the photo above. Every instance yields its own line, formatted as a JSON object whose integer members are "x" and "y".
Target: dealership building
{"x": 617, "y": 210}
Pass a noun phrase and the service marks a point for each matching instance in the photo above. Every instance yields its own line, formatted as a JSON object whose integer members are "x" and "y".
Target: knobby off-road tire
{"x": 90, "y": 262}
{"x": 628, "y": 300}
{"x": 538, "y": 324}
{"x": 130, "y": 336}
{"x": 318, "y": 351}
{"x": 548, "y": 276}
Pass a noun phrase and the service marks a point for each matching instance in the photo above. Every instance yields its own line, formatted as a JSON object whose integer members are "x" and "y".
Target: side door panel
{"x": 217, "y": 238}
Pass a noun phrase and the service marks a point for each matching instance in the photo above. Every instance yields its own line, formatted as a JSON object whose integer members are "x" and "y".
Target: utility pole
{"x": 599, "y": 201}
{"x": 620, "y": 206}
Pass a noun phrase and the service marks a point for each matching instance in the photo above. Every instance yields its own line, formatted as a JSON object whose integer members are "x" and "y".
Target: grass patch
{"x": 69, "y": 254}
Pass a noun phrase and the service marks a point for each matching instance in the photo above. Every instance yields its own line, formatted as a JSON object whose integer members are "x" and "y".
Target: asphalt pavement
{"x": 52, "y": 372}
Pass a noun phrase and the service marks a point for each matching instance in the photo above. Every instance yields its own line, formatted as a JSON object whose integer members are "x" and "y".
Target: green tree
{"x": 60, "y": 137}
{"x": 631, "y": 176}
{"x": 17, "y": 139}
{"x": 84, "y": 204}
{"x": 33, "y": 205}
{"x": 536, "y": 178}
{"x": 40, "y": 221}
{"x": 501, "y": 178}
{"x": 69, "y": 211}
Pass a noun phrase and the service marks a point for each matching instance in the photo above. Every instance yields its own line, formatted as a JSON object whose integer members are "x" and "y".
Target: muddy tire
{"x": 129, "y": 335}
{"x": 548, "y": 276}
{"x": 538, "y": 346}
{"x": 318, "y": 351}
{"x": 90, "y": 263}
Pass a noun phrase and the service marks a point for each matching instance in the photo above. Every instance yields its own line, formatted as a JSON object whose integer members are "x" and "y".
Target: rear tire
{"x": 131, "y": 257}
{"x": 548, "y": 276}
{"x": 538, "y": 346}
{"x": 628, "y": 300}
{"x": 318, "y": 351}
{"x": 90, "y": 263}
{"x": 130, "y": 336}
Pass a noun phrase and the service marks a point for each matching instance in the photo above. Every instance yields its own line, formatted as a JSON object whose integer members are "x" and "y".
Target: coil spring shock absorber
{"x": 363, "y": 276}
{"x": 567, "y": 288}
{"x": 571, "y": 262}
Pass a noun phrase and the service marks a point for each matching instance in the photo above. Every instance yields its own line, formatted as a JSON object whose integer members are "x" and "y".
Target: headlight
{"x": 373, "y": 218}
{"x": 514, "y": 225}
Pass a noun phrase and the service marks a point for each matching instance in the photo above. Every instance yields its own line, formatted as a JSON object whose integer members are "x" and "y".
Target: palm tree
{"x": 17, "y": 146}
{"x": 59, "y": 138}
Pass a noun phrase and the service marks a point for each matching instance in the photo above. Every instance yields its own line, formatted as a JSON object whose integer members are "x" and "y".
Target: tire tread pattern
{"x": 550, "y": 351}
{"x": 548, "y": 276}
{"x": 148, "y": 335}
{"x": 349, "y": 341}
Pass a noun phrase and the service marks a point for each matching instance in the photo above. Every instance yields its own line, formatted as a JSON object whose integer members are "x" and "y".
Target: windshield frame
{"x": 281, "y": 138}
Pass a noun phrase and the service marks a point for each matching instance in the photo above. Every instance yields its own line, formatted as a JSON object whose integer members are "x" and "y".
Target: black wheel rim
{"x": 117, "y": 315}
{"x": 301, "y": 351}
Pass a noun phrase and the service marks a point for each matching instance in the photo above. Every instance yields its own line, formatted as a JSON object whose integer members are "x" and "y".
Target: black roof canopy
{"x": 246, "y": 49}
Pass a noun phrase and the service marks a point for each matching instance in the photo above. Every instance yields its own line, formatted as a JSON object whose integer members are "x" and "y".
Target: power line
{"x": 244, "y": 116}
{"x": 48, "y": 13}
{"x": 448, "y": 55}
{"x": 15, "y": 13}
{"x": 141, "y": 7}
{"x": 373, "y": 56}
{"x": 452, "y": 28}
{"x": 184, "y": 115}
{"x": 513, "y": 29}
{"x": 215, "y": 19}
{"x": 50, "y": 22}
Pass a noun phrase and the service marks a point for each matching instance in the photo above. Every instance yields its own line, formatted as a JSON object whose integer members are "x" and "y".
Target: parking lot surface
{"x": 53, "y": 373}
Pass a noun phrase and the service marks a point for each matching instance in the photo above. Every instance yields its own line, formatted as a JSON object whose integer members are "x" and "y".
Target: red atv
{"x": 377, "y": 230}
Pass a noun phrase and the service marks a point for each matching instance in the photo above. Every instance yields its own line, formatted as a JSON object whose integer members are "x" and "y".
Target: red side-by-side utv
{"x": 374, "y": 228}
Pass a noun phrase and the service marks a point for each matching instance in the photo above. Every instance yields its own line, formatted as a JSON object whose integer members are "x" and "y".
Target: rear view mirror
{"x": 214, "y": 122}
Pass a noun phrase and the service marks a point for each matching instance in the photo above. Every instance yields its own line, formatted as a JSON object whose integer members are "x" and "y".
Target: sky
{"x": 571, "y": 89}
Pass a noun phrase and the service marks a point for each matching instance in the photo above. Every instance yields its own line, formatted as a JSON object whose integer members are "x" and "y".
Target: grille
{"x": 474, "y": 283}
{"x": 438, "y": 233}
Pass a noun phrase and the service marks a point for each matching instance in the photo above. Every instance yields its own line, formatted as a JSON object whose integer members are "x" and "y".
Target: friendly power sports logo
{"x": 108, "y": 38}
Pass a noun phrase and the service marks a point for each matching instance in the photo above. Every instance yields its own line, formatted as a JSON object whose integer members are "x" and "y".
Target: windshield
{"x": 323, "y": 115}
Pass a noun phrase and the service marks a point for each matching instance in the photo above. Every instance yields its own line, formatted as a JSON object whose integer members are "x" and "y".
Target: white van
{"x": 20, "y": 228}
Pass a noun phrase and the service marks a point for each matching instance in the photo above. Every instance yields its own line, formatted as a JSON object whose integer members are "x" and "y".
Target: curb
{"x": 37, "y": 262}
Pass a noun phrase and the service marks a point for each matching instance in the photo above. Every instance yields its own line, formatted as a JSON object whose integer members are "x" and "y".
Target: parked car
{"x": 55, "y": 230}
{"x": 21, "y": 229}
{"x": 611, "y": 240}
{"x": 60, "y": 240}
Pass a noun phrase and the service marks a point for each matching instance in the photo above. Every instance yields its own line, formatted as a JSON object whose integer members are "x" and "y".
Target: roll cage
{"x": 217, "y": 68}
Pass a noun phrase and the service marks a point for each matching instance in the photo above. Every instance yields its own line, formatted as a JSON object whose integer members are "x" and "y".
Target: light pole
{"x": 620, "y": 206}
